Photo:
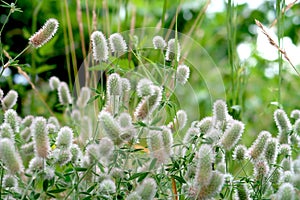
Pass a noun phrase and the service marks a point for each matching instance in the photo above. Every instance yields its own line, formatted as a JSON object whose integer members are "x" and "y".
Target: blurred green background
{"x": 254, "y": 96}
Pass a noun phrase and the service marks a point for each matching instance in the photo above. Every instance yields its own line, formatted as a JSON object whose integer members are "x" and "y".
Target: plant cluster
{"x": 136, "y": 148}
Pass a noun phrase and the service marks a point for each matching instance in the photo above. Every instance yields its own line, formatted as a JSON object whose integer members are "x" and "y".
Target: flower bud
{"x": 92, "y": 151}
{"x": 204, "y": 165}
{"x": 64, "y": 95}
{"x": 65, "y": 138}
{"x": 147, "y": 189}
{"x": 28, "y": 148}
{"x": 214, "y": 187}
{"x": 295, "y": 114}
{"x": 26, "y": 134}
{"x": 27, "y": 121}
{"x": 9, "y": 100}
{"x": 99, "y": 46}
{"x": 173, "y": 50}
{"x": 179, "y": 121}
{"x": 286, "y": 192}
{"x": 159, "y": 42}
{"x": 271, "y": 150}
{"x": 44, "y": 34}
{"x": 220, "y": 113}
{"x": 7, "y": 132}
{"x": 232, "y": 134}
{"x": 125, "y": 120}
{"x": 145, "y": 88}
{"x": 286, "y": 164}
{"x": 204, "y": 125}
{"x": 117, "y": 44}
{"x": 285, "y": 150}
{"x": 10, "y": 157}
{"x": 182, "y": 74}
{"x": 11, "y": 117}
{"x": 54, "y": 83}
{"x": 240, "y": 153}
{"x": 40, "y": 137}
{"x": 110, "y": 126}
{"x": 106, "y": 147}
{"x": 284, "y": 126}
{"x": 125, "y": 85}
{"x": 84, "y": 97}
{"x": 9, "y": 181}
{"x": 54, "y": 121}
{"x": 107, "y": 187}
{"x": 155, "y": 145}
{"x": 259, "y": 144}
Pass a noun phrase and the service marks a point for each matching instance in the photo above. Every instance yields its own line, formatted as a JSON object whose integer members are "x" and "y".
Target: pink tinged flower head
{"x": 110, "y": 126}
{"x": 40, "y": 137}
{"x": 64, "y": 138}
{"x": 11, "y": 117}
{"x": 10, "y": 157}
{"x": 232, "y": 134}
{"x": 148, "y": 104}
{"x": 182, "y": 74}
{"x": 145, "y": 88}
{"x": 159, "y": 42}
{"x": 44, "y": 34}
{"x": 173, "y": 50}
{"x": 261, "y": 169}
{"x": 99, "y": 46}
{"x": 117, "y": 44}
{"x": 9, "y": 100}
{"x": 204, "y": 165}
{"x": 64, "y": 95}
{"x": 147, "y": 189}
{"x": 284, "y": 126}
{"x": 84, "y": 96}
{"x": 258, "y": 146}
{"x": 54, "y": 83}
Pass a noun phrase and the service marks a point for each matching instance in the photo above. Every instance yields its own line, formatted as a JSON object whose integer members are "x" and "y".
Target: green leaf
{"x": 57, "y": 190}
{"x": 137, "y": 175}
{"x": 103, "y": 66}
{"x": 80, "y": 169}
{"x": 152, "y": 164}
{"x": 45, "y": 185}
{"x": 92, "y": 188}
{"x": 179, "y": 179}
{"x": 92, "y": 99}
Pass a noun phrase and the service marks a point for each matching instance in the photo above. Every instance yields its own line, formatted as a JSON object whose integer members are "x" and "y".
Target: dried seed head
{"x": 110, "y": 126}
{"x": 117, "y": 44}
{"x": 240, "y": 153}
{"x": 54, "y": 83}
{"x": 271, "y": 150}
{"x": 64, "y": 138}
{"x": 284, "y": 126}
{"x": 232, "y": 134}
{"x": 85, "y": 94}
{"x": 204, "y": 166}
{"x": 259, "y": 144}
{"x": 173, "y": 50}
{"x": 286, "y": 192}
{"x": 40, "y": 137}
{"x": 10, "y": 157}
{"x": 99, "y": 46}
{"x": 182, "y": 74}
{"x": 11, "y": 117}
{"x": 159, "y": 42}
{"x": 147, "y": 189}
{"x": 145, "y": 88}
{"x": 9, "y": 100}
{"x": 44, "y": 34}
{"x": 64, "y": 95}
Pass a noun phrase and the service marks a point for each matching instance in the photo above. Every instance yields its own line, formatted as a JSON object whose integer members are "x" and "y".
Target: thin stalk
{"x": 280, "y": 18}
{"x": 164, "y": 14}
{"x": 1, "y": 178}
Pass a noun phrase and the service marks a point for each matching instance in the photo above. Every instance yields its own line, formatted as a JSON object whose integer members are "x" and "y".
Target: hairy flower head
{"x": 99, "y": 46}
{"x": 9, "y": 100}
